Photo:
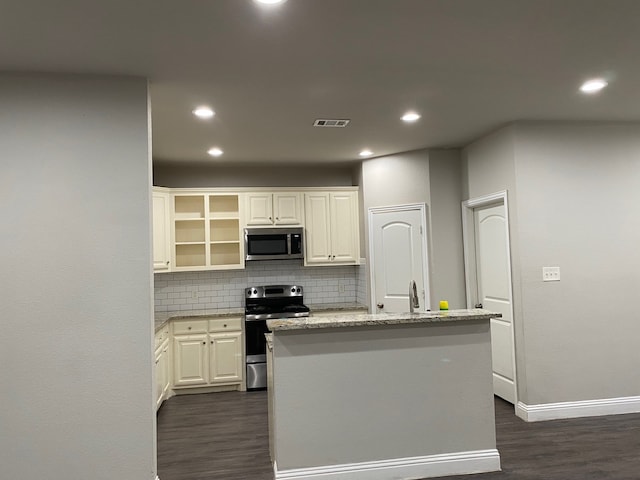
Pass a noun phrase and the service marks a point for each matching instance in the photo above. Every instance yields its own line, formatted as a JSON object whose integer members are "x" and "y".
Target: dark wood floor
{"x": 224, "y": 436}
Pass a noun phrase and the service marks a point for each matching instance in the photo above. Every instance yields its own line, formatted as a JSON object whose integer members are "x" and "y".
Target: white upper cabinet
{"x": 161, "y": 231}
{"x": 332, "y": 228}
{"x": 268, "y": 208}
{"x": 202, "y": 229}
{"x": 206, "y": 231}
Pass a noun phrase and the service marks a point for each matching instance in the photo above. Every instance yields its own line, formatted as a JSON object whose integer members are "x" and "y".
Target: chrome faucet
{"x": 413, "y": 296}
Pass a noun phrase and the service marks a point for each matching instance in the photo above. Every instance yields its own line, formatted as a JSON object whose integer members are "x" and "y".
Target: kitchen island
{"x": 382, "y": 396}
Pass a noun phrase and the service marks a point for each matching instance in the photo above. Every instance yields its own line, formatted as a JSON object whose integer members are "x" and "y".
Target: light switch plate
{"x": 550, "y": 274}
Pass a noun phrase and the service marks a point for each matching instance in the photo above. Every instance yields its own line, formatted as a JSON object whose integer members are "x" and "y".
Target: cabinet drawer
{"x": 225, "y": 324}
{"x": 162, "y": 335}
{"x": 190, "y": 326}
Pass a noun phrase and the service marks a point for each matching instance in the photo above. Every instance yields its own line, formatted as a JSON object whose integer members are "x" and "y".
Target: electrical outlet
{"x": 342, "y": 288}
{"x": 550, "y": 274}
{"x": 194, "y": 292}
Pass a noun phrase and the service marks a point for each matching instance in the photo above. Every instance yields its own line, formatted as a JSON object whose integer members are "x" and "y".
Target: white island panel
{"x": 385, "y": 400}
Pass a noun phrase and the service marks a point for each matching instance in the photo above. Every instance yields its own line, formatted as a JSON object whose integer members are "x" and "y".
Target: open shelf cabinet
{"x": 206, "y": 231}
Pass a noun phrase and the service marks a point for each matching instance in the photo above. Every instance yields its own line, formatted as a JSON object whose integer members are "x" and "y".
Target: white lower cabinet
{"x": 162, "y": 364}
{"x": 190, "y": 365}
{"x": 207, "y": 359}
{"x": 225, "y": 357}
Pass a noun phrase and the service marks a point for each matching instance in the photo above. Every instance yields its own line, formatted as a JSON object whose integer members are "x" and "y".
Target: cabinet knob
{"x": 380, "y": 305}
{"x": 332, "y": 257}
{"x": 270, "y": 218}
{"x": 211, "y": 342}
{"x": 277, "y": 218}
{"x": 188, "y": 328}
{"x": 204, "y": 343}
{"x": 167, "y": 262}
{"x": 225, "y": 325}
{"x": 328, "y": 257}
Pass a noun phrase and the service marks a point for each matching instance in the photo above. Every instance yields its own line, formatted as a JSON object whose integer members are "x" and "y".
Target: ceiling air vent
{"x": 333, "y": 123}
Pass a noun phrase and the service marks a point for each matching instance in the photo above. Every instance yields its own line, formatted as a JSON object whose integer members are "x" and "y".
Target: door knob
{"x": 380, "y": 305}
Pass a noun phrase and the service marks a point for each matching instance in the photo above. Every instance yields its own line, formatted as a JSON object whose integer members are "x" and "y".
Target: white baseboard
{"x": 462, "y": 463}
{"x": 584, "y": 408}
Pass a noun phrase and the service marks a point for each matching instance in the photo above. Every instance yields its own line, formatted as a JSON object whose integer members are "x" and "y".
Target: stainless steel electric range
{"x": 262, "y": 304}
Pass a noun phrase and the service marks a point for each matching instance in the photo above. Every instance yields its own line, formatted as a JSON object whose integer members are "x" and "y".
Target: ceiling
{"x": 468, "y": 66}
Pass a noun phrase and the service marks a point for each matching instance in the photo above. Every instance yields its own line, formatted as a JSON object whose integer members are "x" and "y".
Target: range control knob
{"x": 293, "y": 290}
{"x": 297, "y": 290}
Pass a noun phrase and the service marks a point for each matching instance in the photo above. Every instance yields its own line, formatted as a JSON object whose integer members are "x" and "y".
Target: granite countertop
{"x": 321, "y": 307}
{"x": 161, "y": 318}
{"x": 366, "y": 320}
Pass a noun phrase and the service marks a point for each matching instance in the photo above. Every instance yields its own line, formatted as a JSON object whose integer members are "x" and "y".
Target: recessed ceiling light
{"x": 215, "y": 152}
{"x": 411, "y": 117}
{"x": 203, "y": 112}
{"x": 593, "y": 85}
{"x": 269, "y": 2}
{"x": 366, "y": 153}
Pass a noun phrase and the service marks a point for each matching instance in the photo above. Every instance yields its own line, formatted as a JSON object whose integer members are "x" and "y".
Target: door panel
{"x": 287, "y": 208}
{"x": 161, "y": 235}
{"x": 226, "y": 357}
{"x": 501, "y": 348}
{"x": 318, "y": 238}
{"x": 190, "y": 367}
{"x": 492, "y": 269}
{"x": 398, "y": 259}
{"x": 259, "y": 209}
{"x": 344, "y": 224}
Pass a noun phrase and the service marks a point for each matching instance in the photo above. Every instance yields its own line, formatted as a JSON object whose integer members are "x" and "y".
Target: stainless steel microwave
{"x": 273, "y": 243}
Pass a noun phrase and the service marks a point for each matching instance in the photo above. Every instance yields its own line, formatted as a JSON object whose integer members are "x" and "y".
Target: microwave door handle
{"x": 288, "y": 243}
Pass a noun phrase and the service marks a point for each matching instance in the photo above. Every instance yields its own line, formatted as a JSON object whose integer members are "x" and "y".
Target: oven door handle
{"x": 262, "y": 358}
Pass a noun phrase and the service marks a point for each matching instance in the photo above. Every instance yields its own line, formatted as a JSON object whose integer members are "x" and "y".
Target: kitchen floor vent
{"x": 333, "y": 123}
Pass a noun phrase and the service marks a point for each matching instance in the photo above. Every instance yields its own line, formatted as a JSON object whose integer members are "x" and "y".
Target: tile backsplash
{"x": 223, "y": 289}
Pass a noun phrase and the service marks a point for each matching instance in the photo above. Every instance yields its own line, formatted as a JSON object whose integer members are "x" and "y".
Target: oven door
{"x": 256, "y": 344}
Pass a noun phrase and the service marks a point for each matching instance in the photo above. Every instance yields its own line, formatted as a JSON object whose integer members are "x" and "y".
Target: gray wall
{"x": 447, "y": 265}
{"x": 189, "y": 175}
{"x": 578, "y": 189}
{"x": 573, "y": 194}
{"x": 392, "y": 180}
{"x": 488, "y": 166}
{"x": 411, "y": 177}
{"x": 76, "y": 343}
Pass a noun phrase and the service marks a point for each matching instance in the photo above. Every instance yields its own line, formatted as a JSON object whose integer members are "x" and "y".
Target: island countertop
{"x": 368, "y": 320}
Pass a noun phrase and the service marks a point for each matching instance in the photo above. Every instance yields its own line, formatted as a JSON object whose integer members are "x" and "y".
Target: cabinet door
{"x": 287, "y": 208}
{"x": 165, "y": 371}
{"x": 161, "y": 231}
{"x": 344, "y": 228}
{"x": 225, "y": 353}
{"x": 259, "y": 209}
{"x": 190, "y": 365}
{"x": 159, "y": 377}
{"x": 318, "y": 228}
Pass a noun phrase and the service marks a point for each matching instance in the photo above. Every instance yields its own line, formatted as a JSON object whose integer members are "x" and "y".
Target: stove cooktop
{"x": 274, "y": 301}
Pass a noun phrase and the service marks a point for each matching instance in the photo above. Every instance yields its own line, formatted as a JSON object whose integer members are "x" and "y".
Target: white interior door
{"x": 494, "y": 292}
{"x": 398, "y": 256}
